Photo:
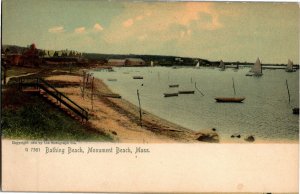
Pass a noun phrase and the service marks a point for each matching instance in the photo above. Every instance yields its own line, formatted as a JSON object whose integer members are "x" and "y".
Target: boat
{"x": 197, "y": 65}
{"x": 256, "y": 70}
{"x": 137, "y": 77}
{"x": 170, "y": 94}
{"x": 222, "y": 66}
{"x": 186, "y": 92}
{"x": 174, "y": 85}
{"x": 296, "y": 111}
{"x": 230, "y": 99}
{"x": 289, "y": 66}
{"x": 151, "y": 64}
{"x": 111, "y": 79}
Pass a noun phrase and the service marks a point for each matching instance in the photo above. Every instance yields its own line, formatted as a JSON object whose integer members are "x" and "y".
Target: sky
{"x": 209, "y": 30}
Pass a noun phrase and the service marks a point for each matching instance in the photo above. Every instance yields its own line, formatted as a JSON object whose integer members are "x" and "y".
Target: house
{"x": 126, "y": 62}
{"x": 134, "y": 62}
{"x": 116, "y": 62}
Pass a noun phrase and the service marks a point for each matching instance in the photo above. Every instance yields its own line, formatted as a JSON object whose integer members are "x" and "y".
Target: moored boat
{"x": 256, "y": 70}
{"x": 137, "y": 77}
{"x": 289, "y": 66}
{"x": 174, "y": 85}
{"x": 170, "y": 94}
{"x": 229, "y": 99}
{"x": 186, "y": 92}
{"x": 222, "y": 66}
{"x": 197, "y": 65}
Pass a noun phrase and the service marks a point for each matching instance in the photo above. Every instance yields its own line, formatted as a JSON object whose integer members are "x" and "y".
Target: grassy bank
{"x": 26, "y": 116}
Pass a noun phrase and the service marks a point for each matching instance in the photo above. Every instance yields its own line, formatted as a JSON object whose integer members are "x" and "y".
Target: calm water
{"x": 265, "y": 113}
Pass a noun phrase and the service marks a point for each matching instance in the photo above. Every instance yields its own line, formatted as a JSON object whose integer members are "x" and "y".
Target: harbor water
{"x": 266, "y": 113}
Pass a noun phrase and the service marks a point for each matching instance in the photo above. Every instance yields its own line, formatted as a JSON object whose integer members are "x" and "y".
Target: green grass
{"x": 29, "y": 117}
{"x": 15, "y": 71}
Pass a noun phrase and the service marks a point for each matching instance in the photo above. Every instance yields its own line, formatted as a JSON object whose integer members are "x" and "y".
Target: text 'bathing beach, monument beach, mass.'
{"x": 92, "y": 150}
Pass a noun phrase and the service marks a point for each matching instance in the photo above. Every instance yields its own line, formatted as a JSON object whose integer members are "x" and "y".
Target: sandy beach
{"x": 118, "y": 117}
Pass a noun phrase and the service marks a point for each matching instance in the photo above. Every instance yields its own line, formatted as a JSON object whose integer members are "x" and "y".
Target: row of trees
{"x": 64, "y": 53}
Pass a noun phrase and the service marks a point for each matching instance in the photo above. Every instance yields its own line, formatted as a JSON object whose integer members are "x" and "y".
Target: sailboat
{"x": 152, "y": 64}
{"x": 289, "y": 67}
{"x": 197, "y": 65}
{"x": 222, "y": 66}
{"x": 230, "y": 99}
{"x": 256, "y": 70}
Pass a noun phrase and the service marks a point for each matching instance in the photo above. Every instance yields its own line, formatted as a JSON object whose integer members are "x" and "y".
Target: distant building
{"x": 116, "y": 62}
{"x": 126, "y": 62}
{"x": 134, "y": 62}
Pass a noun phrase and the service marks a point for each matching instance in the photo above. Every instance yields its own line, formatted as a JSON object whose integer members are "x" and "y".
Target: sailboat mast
{"x": 233, "y": 86}
{"x": 287, "y": 87}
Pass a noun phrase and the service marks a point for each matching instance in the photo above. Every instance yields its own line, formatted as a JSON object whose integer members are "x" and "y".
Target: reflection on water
{"x": 265, "y": 113}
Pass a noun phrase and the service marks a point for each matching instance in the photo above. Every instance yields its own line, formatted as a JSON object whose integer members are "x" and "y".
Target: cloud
{"x": 128, "y": 23}
{"x": 163, "y": 21}
{"x": 80, "y": 30}
{"x": 56, "y": 29}
{"x": 98, "y": 27}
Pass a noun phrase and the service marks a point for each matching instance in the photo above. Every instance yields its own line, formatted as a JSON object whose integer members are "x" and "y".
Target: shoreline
{"x": 118, "y": 117}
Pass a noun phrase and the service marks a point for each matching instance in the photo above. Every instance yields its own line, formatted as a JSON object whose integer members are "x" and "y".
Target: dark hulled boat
{"x": 170, "y": 94}
{"x": 229, "y": 99}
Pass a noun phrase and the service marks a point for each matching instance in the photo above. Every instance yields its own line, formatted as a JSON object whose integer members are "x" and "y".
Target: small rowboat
{"x": 186, "y": 92}
{"x": 229, "y": 99}
{"x": 170, "y": 94}
{"x": 138, "y": 77}
{"x": 174, "y": 86}
{"x": 111, "y": 79}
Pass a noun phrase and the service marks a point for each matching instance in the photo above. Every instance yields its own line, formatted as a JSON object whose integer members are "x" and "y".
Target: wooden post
{"x": 287, "y": 86}
{"x": 70, "y": 67}
{"x": 233, "y": 86}
{"x": 92, "y": 95}
{"x": 138, "y": 95}
{"x": 83, "y": 84}
{"x": 4, "y": 73}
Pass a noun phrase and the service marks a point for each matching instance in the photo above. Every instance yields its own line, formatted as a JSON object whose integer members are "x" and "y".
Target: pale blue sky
{"x": 227, "y": 31}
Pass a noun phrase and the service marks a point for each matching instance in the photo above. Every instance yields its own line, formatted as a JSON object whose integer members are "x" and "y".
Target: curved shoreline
{"x": 150, "y": 121}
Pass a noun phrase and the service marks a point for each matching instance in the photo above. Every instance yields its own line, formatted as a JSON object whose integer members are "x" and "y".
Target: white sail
{"x": 152, "y": 64}
{"x": 289, "y": 66}
{"x": 222, "y": 65}
{"x": 198, "y": 64}
{"x": 256, "y": 69}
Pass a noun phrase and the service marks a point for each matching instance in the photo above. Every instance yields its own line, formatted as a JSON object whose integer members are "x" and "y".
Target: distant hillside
{"x": 161, "y": 59}
{"x": 164, "y": 60}
{"x": 157, "y": 59}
